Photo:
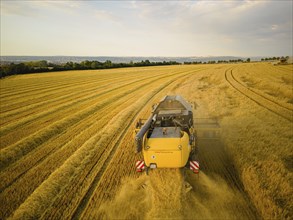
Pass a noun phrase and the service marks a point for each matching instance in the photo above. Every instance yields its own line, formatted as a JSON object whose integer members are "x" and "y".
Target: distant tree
{"x": 248, "y": 60}
{"x": 147, "y": 62}
{"x": 43, "y": 63}
{"x": 69, "y": 66}
{"x": 44, "y": 66}
{"x": 94, "y": 64}
{"x": 76, "y": 66}
{"x": 108, "y": 64}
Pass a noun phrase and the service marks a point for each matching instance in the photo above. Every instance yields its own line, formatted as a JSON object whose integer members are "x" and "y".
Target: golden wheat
{"x": 66, "y": 144}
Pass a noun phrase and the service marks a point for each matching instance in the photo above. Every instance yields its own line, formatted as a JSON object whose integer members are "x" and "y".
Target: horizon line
{"x": 140, "y": 56}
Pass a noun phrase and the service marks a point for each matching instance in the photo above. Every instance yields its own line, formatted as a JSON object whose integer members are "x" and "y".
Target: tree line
{"x": 275, "y": 58}
{"x": 44, "y": 66}
{"x": 220, "y": 61}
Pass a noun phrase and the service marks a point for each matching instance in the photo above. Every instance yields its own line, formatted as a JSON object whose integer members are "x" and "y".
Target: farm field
{"x": 66, "y": 142}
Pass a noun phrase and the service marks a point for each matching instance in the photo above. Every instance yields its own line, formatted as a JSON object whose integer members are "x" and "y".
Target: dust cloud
{"x": 216, "y": 193}
{"x": 166, "y": 193}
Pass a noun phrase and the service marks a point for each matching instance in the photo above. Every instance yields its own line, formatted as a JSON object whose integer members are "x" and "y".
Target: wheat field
{"x": 67, "y": 144}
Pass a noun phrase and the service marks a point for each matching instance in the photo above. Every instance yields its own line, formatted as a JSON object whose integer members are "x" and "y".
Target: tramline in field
{"x": 167, "y": 139}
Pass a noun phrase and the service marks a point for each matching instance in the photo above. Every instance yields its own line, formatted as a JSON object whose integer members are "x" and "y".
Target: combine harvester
{"x": 167, "y": 139}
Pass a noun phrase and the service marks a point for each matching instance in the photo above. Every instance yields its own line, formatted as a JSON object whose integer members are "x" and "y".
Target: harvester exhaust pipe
{"x": 141, "y": 133}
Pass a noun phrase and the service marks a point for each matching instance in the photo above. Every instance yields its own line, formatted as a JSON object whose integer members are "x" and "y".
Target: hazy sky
{"x": 146, "y": 28}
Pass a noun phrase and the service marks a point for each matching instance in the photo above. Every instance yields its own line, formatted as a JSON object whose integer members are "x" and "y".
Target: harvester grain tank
{"x": 167, "y": 139}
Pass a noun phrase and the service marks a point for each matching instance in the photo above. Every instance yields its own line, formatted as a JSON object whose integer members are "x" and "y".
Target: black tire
{"x": 194, "y": 155}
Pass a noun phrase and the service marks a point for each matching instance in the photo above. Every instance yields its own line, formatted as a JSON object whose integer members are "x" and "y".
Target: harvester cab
{"x": 167, "y": 139}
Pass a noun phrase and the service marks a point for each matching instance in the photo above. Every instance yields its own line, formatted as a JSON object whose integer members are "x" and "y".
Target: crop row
{"x": 43, "y": 157}
{"x": 106, "y": 136}
{"x": 55, "y": 113}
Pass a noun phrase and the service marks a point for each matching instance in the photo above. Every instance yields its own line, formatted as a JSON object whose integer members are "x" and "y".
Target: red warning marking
{"x": 139, "y": 166}
{"x": 194, "y": 165}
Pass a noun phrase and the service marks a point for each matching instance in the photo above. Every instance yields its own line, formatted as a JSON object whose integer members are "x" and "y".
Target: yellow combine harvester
{"x": 167, "y": 139}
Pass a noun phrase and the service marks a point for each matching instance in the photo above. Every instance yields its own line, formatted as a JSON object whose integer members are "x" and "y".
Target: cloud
{"x": 16, "y": 8}
{"x": 158, "y": 27}
{"x": 219, "y": 23}
{"x": 35, "y": 8}
{"x": 105, "y": 16}
{"x": 229, "y": 18}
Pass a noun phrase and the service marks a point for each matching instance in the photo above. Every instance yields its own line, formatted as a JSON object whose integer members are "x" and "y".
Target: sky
{"x": 146, "y": 28}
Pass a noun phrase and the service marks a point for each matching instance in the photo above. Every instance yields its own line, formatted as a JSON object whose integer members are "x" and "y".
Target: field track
{"x": 261, "y": 100}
